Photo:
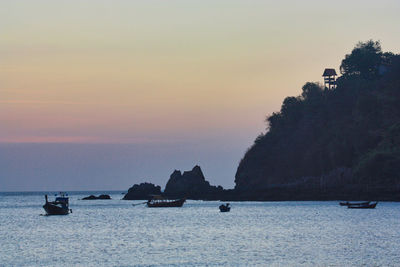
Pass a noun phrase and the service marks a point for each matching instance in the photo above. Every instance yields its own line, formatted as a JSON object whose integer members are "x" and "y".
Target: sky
{"x": 99, "y": 95}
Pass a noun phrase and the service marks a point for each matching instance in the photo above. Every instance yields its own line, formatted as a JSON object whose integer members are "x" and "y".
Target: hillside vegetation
{"x": 332, "y": 143}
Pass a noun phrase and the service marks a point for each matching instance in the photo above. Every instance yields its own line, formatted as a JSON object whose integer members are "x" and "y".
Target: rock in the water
{"x": 104, "y": 197}
{"x": 192, "y": 185}
{"x": 92, "y": 197}
{"x": 142, "y": 191}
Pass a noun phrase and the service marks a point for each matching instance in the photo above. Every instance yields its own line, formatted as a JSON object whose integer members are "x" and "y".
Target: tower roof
{"x": 329, "y": 72}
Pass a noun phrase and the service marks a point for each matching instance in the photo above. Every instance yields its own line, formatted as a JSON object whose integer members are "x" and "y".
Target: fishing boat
{"x": 160, "y": 202}
{"x": 60, "y": 206}
{"x": 363, "y": 206}
{"x": 354, "y": 203}
{"x": 224, "y": 208}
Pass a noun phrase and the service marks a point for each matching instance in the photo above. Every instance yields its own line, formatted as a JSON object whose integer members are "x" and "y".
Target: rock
{"x": 92, "y": 197}
{"x": 104, "y": 197}
{"x": 142, "y": 191}
{"x": 89, "y": 197}
{"x": 192, "y": 185}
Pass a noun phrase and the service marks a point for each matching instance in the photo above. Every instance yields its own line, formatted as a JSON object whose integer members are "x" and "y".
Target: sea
{"x": 117, "y": 233}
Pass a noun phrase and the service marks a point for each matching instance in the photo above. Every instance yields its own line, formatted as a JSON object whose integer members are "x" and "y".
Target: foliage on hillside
{"x": 355, "y": 125}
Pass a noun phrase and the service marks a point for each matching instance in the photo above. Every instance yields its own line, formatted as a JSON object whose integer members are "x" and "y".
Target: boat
{"x": 60, "y": 206}
{"x": 363, "y": 206}
{"x": 160, "y": 202}
{"x": 354, "y": 203}
{"x": 224, "y": 208}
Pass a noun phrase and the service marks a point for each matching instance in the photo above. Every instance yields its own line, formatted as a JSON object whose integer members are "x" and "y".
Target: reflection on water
{"x": 115, "y": 233}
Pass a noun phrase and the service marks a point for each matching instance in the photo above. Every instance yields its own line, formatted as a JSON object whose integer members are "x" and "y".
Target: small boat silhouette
{"x": 58, "y": 207}
{"x": 347, "y": 203}
{"x": 224, "y": 208}
{"x": 160, "y": 202}
{"x": 363, "y": 206}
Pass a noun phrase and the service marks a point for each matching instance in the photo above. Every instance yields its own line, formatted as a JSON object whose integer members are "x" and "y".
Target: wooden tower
{"x": 329, "y": 78}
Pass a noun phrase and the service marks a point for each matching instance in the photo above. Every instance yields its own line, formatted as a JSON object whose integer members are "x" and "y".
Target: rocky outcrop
{"x": 93, "y": 197}
{"x": 142, "y": 191}
{"x": 192, "y": 185}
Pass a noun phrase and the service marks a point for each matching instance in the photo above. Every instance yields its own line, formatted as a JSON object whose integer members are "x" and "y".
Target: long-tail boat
{"x": 363, "y": 206}
{"x": 354, "y": 203}
{"x": 58, "y": 207}
{"x": 160, "y": 202}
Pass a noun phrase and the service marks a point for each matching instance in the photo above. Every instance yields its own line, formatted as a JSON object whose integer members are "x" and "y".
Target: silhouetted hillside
{"x": 339, "y": 143}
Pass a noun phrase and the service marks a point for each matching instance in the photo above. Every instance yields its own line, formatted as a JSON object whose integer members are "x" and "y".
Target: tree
{"x": 363, "y": 61}
{"x": 311, "y": 90}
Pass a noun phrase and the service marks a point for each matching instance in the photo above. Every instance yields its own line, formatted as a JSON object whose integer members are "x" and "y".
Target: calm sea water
{"x": 115, "y": 233}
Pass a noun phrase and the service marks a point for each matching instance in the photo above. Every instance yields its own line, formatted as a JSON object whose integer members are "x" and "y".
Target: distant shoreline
{"x": 68, "y": 191}
{"x": 39, "y": 193}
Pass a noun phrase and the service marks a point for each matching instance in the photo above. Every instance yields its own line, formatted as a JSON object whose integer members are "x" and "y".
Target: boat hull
{"x": 166, "y": 204}
{"x": 224, "y": 210}
{"x": 367, "y": 206}
{"x": 52, "y": 209}
{"x": 354, "y": 203}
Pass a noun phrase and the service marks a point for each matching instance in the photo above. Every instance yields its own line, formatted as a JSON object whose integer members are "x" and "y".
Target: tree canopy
{"x": 364, "y": 60}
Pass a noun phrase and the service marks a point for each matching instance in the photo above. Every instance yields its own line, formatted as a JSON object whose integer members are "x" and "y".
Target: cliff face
{"x": 192, "y": 185}
{"x": 340, "y": 143}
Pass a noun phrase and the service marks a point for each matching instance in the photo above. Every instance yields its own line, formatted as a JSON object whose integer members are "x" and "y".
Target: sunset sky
{"x": 104, "y": 94}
